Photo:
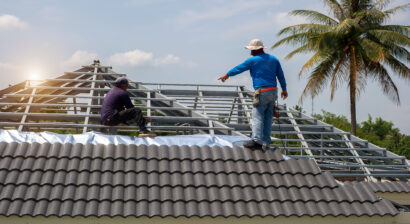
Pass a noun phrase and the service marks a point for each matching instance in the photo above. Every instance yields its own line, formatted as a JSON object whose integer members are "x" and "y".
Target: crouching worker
{"x": 264, "y": 70}
{"x": 117, "y": 108}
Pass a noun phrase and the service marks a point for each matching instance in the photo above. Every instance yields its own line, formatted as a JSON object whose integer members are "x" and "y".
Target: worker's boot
{"x": 266, "y": 147}
{"x": 252, "y": 145}
{"x": 145, "y": 133}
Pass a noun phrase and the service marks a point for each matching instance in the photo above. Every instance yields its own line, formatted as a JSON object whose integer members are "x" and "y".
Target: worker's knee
{"x": 133, "y": 112}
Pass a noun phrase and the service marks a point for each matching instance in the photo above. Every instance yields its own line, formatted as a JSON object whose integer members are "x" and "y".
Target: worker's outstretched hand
{"x": 223, "y": 78}
{"x": 148, "y": 119}
{"x": 284, "y": 94}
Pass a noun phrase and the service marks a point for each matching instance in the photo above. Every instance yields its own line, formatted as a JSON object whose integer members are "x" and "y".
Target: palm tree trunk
{"x": 353, "y": 89}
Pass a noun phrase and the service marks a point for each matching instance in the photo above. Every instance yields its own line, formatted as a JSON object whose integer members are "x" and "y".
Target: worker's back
{"x": 264, "y": 69}
{"x": 115, "y": 101}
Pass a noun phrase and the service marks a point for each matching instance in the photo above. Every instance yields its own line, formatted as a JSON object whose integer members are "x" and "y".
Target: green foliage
{"x": 380, "y": 127}
{"x": 299, "y": 108}
{"x": 379, "y": 132}
{"x": 338, "y": 121}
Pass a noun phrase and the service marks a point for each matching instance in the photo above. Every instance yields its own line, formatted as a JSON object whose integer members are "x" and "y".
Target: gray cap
{"x": 121, "y": 81}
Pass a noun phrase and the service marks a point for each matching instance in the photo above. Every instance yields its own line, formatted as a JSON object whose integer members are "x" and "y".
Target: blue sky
{"x": 176, "y": 41}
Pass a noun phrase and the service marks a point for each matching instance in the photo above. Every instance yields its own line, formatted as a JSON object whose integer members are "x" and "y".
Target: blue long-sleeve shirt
{"x": 264, "y": 69}
{"x": 115, "y": 101}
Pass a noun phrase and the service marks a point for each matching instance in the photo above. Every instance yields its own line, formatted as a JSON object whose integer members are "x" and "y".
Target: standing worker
{"x": 264, "y": 69}
{"x": 117, "y": 108}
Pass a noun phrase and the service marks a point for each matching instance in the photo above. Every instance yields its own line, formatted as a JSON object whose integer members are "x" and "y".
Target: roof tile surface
{"x": 384, "y": 187}
{"x": 119, "y": 180}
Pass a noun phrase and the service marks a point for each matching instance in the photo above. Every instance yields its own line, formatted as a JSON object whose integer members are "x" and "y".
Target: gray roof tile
{"x": 119, "y": 180}
{"x": 174, "y": 194}
{"x": 193, "y": 208}
{"x": 391, "y": 187}
{"x": 115, "y": 152}
{"x": 168, "y": 179}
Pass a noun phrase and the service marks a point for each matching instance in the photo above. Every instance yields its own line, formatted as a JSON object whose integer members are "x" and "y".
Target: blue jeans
{"x": 262, "y": 117}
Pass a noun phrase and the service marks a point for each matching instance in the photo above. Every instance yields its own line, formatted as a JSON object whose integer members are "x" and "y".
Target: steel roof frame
{"x": 71, "y": 102}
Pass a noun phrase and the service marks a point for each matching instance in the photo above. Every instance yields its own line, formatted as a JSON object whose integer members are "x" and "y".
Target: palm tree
{"x": 351, "y": 45}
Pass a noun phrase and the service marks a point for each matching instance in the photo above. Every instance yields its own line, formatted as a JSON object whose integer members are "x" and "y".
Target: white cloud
{"x": 169, "y": 59}
{"x": 135, "y": 58}
{"x": 8, "y": 21}
{"x": 138, "y": 58}
{"x": 78, "y": 59}
{"x": 220, "y": 11}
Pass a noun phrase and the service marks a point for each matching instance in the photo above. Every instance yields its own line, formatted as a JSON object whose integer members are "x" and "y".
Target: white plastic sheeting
{"x": 99, "y": 138}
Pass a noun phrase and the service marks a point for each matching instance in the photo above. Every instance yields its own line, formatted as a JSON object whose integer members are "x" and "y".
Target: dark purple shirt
{"x": 115, "y": 101}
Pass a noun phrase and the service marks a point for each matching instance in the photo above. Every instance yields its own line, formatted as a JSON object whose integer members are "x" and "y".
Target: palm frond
{"x": 331, "y": 41}
{"x": 380, "y": 4}
{"x": 302, "y": 49}
{"x": 301, "y": 28}
{"x": 312, "y": 61}
{"x": 295, "y": 39}
{"x": 350, "y": 7}
{"x": 371, "y": 16}
{"x": 319, "y": 77}
{"x": 391, "y": 56}
{"x": 397, "y": 8}
{"x": 391, "y": 36}
{"x": 372, "y": 50}
{"x": 398, "y": 67}
{"x": 361, "y": 72}
{"x": 379, "y": 73}
{"x": 365, "y": 5}
{"x": 314, "y": 16}
{"x": 336, "y": 8}
{"x": 336, "y": 73}
{"x": 400, "y": 53}
{"x": 384, "y": 49}
{"x": 346, "y": 25}
{"x": 405, "y": 30}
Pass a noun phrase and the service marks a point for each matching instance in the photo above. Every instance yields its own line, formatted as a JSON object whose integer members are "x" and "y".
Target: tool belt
{"x": 257, "y": 93}
{"x": 256, "y": 97}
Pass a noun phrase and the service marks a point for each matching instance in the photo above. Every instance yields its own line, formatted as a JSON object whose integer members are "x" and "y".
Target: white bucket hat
{"x": 255, "y": 44}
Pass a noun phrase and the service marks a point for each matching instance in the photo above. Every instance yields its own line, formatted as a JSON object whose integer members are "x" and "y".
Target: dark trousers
{"x": 128, "y": 115}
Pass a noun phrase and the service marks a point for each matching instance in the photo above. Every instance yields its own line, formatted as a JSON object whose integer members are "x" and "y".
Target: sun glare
{"x": 34, "y": 77}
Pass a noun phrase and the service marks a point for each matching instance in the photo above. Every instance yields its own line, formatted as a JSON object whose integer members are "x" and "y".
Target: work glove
{"x": 224, "y": 78}
{"x": 284, "y": 94}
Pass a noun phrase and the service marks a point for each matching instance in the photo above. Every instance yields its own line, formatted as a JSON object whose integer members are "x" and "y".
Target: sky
{"x": 172, "y": 41}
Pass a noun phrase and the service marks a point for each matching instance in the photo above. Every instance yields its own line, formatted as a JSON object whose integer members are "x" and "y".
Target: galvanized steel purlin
{"x": 65, "y": 104}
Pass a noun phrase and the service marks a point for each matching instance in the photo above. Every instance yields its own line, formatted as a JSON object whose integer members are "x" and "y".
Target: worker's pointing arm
{"x": 238, "y": 69}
